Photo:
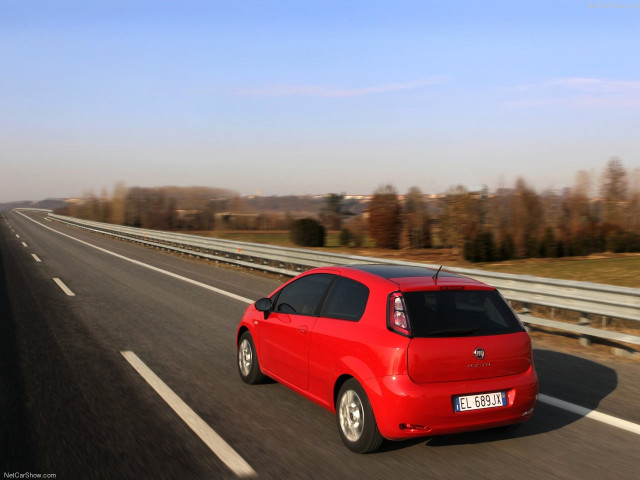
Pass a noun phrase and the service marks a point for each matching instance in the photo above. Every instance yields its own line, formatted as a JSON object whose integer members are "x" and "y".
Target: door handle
{"x": 303, "y": 329}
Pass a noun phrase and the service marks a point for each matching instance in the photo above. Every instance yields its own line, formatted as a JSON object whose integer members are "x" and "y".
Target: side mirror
{"x": 264, "y": 305}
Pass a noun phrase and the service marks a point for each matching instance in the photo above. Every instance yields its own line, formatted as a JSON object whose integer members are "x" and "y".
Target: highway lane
{"x": 83, "y": 410}
{"x": 84, "y": 413}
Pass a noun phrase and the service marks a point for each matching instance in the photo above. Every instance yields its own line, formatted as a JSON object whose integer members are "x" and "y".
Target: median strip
{"x": 214, "y": 441}
{"x": 63, "y": 287}
{"x": 587, "y": 412}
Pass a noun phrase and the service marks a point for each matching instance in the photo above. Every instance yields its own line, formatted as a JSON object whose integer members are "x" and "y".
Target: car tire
{"x": 356, "y": 423}
{"x": 248, "y": 366}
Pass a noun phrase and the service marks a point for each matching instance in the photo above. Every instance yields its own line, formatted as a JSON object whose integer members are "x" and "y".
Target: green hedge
{"x": 307, "y": 232}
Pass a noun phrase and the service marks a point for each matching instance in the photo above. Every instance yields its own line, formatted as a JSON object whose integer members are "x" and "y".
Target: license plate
{"x": 477, "y": 402}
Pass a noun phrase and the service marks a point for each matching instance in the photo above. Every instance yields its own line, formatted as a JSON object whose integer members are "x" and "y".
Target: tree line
{"x": 158, "y": 208}
{"x": 597, "y": 214}
{"x": 516, "y": 222}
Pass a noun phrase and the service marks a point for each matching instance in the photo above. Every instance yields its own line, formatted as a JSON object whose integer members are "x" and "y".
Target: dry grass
{"x": 613, "y": 269}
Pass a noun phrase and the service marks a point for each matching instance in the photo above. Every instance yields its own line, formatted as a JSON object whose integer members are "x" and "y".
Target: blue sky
{"x": 296, "y": 97}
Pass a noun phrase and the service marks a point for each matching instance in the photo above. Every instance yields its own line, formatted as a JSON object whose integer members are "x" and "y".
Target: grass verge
{"x": 612, "y": 269}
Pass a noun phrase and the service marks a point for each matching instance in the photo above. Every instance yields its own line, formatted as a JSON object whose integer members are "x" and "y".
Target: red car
{"x": 396, "y": 351}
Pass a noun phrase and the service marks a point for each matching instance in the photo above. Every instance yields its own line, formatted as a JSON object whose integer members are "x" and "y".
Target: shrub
{"x": 481, "y": 248}
{"x": 622, "y": 242}
{"x": 548, "y": 244}
{"x": 508, "y": 248}
{"x": 307, "y": 232}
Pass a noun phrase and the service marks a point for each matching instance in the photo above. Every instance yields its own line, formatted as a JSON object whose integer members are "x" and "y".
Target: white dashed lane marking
{"x": 150, "y": 267}
{"x": 35, "y": 257}
{"x": 63, "y": 287}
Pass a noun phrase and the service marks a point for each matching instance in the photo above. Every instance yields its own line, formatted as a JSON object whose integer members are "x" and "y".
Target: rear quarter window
{"x": 454, "y": 313}
{"x": 347, "y": 300}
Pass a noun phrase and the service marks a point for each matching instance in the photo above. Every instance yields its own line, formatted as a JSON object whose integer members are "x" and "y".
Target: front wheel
{"x": 248, "y": 365}
{"x": 356, "y": 423}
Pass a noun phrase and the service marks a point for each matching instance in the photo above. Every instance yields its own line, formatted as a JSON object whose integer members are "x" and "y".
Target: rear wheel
{"x": 248, "y": 366}
{"x": 356, "y": 423}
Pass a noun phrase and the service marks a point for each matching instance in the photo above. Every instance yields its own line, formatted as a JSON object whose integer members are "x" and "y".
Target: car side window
{"x": 347, "y": 300}
{"x": 304, "y": 296}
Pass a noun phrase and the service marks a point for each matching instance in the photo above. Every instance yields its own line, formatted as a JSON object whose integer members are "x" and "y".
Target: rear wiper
{"x": 455, "y": 332}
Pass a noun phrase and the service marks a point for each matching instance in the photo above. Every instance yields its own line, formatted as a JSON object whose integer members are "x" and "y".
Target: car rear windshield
{"x": 458, "y": 313}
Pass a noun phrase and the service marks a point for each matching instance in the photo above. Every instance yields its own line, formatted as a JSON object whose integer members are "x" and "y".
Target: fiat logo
{"x": 479, "y": 353}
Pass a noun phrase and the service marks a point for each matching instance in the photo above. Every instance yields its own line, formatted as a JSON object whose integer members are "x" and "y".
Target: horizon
{"x": 593, "y": 195}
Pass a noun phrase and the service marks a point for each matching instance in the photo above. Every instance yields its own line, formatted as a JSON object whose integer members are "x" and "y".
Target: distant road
{"x": 73, "y": 404}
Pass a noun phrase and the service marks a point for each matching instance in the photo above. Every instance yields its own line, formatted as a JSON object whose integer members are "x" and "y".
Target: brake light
{"x": 397, "y": 317}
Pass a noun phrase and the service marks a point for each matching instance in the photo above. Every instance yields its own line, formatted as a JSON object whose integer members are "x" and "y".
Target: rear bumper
{"x": 405, "y": 409}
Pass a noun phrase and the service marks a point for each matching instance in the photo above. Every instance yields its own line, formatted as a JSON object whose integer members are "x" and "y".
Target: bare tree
{"x": 89, "y": 208}
{"x": 417, "y": 225}
{"x": 527, "y": 218}
{"x": 634, "y": 202}
{"x": 459, "y": 217}
{"x": 117, "y": 213}
{"x": 614, "y": 191}
{"x": 385, "y": 220}
{"x": 498, "y": 216}
{"x": 332, "y": 213}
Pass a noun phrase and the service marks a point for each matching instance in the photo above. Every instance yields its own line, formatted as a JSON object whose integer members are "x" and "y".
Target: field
{"x": 613, "y": 269}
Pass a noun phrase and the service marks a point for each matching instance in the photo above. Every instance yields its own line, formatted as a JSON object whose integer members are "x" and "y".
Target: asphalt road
{"x": 72, "y": 405}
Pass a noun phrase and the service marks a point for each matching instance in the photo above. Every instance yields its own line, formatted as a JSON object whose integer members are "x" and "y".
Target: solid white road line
{"x": 35, "y": 257}
{"x": 64, "y": 288}
{"x": 24, "y": 244}
{"x": 593, "y": 414}
{"x": 150, "y": 267}
{"x": 214, "y": 441}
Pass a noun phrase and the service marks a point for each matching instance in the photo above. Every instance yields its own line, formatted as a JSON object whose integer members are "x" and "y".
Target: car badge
{"x": 479, "y": 353}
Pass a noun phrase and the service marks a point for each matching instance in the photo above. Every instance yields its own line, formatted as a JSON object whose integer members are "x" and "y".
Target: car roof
{"x": 401, "y": 271}
{"x": 411, "y": 277}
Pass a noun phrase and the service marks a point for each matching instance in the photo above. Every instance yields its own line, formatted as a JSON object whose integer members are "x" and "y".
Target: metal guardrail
{"x": 28, "y": 209}
{"x": 590, "y": 299}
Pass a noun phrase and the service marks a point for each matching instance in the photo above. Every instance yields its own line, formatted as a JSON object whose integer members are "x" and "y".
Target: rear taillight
{"x": 397, "y": 317}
